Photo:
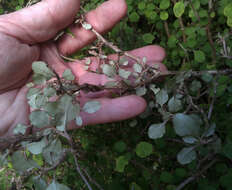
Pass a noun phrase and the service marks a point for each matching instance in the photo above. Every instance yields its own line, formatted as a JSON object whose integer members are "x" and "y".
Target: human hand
{"x": 25, "y": 36}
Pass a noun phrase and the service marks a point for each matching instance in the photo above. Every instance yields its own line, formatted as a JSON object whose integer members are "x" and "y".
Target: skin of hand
{"x": 26, "y": 36}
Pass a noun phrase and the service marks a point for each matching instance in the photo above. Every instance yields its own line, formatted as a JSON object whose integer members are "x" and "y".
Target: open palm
{"x": 25, "y": 36}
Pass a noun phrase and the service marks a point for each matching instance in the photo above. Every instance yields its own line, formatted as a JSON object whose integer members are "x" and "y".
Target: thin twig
{"x": 68, "y": 58}
{"x": 114, "y": 47}
{"x": 92, "y": 180}
{"x": 80, "y": 173}
{"x": 167, "y": 29}
{"x": 192, "y": 178}
{"x": 196, "y": 107}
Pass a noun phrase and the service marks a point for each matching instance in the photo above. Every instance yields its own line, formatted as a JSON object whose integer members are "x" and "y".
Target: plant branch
{"x": 192, "y": 178}
{"x": 80, "y": 172}
{"x": 92, "y": 180}
{"x": 167, "y": 29}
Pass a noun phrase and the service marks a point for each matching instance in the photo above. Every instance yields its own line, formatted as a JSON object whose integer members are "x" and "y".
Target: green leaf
{"x": 134, "y": 17}
{"x": 120, "y": 146}
{"x": 172, "y": 41}
{"x": 156, "y": 131}
{"x": 39, "y": 79}
{"x": 133, "y": 123}
{"x": 49, "y": 92}
{"x": 164, "y": 4}
{"x": 166, "y": 177}
{"x": 57, "y": 186}
{"x": 137, "y": 68}
{"x": 196, "y": 4}
{"x": 181, "y": 172}
{"x": 36, "y": 147}
{"x": 199, "y": 56}
{"x": 174, "y": 104}
{"x": 203, "y": 13}
{"x": 68, "y": 75}
{"x": 210, "y": 131}
{"x": 185, "y": 125}
{"x": 227, "y": 150}
{"x": 207, "y": 77}
{"x": 190, "y": 140}
{"x": 52, "y": 108}
{"x": 91, "y": 106}
{"x": 141, "y": 5}
{"x": 108, "y": 70}
{"x": 41, "y": 68}
{"x": 40, "y": 100}
{"x": 191, "y": 41}
{"x": 163, "y": 15}
{"x": 21, "y": 2}
{"x": 226, "y": 181}
{"x": 32, "y": 91}
{"x": 195, "y": 86}
{"x": 52, "y": 153}
{"x": 148, "y": 38}
{"x": 124, "y": 73}
{"x": 39, "y": 119}
{"x": 140, "y": 91}
{"x": 178, "y": 9}
{"x": 212, "y": 14}
{"x": 228, "y": 10}
{"x": 143, "y": 149}
{"x": 21, "y": 164}
{"x": 151, "y": 14}
{"x": 186, "y": 155}
{"x": 39, "y": 183}
{"x": 79, "y": 121}
{"x": 20, "y": 129}
{"x": 68, "y": 113}
{"x": 111, "y": 84}
{"x": 229, "y": 21}
{"x": 161, "y": 97}
{"x": 123, "y": 61}
{"x": 121, "y": 163}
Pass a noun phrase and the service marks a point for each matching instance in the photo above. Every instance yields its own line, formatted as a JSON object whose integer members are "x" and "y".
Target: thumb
{"x": 39, "y": 22}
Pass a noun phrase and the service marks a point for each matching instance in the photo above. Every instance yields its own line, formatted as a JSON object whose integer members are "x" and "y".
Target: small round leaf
{"x": 178, "y": 9}
{"x": 39, "y": 119}
{"x": 91, "y": 106}
{"x": 156, "y": 131}
{"x": 143, "y": 149}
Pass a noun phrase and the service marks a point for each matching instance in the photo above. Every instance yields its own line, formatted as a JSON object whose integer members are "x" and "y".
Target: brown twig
{"x": 167, "y": 29}
{"x": 114, "y": 47}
